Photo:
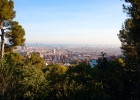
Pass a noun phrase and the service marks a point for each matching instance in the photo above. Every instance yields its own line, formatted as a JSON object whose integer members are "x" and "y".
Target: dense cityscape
{"x": 69, "y": 54}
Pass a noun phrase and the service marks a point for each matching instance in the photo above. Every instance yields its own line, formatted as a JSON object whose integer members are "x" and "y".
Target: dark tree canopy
{"x": 133, "y": 10}
{"x": 130, "y": 33}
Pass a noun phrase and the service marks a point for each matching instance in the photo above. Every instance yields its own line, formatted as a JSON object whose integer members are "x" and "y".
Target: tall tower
{"x": 54, "y": 50}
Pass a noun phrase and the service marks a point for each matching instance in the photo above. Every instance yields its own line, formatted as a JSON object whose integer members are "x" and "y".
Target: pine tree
{"x": 130, "y": 33}
{"x": 15, "y": 36}
{"x": 14, "y": 32}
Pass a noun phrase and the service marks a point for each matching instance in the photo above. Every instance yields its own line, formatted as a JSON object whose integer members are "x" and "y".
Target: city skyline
{"x": 70, "y": 21}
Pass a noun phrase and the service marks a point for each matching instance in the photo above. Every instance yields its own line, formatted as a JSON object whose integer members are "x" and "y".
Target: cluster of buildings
{"x": 70, "y": 54}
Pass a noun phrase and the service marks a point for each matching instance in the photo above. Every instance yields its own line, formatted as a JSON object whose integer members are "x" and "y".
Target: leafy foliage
{"x": 9, "y": 28}
{"x": 13, "y": 59}
{"x": 35, "y": 60}
{"x": 56, "y": 77}
{"x": 16, "y": 36}
{"x": 31, "y": 84}
{"x": 6, "y": 10}
{"x": 130, "y": 38}
{"x": 129, "y": 34}
{"x": 83, "y": 84}
{"x": 57, "y": 82}
{"x": 8, "y": 80}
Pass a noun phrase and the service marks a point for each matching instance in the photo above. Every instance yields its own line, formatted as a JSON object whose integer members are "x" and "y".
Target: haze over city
{"x": 71, "y": 21}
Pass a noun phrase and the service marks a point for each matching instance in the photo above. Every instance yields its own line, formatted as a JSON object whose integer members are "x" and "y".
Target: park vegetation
{"x": 27, "y": 78}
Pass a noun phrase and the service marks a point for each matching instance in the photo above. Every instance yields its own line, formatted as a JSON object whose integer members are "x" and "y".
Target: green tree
{"x": 31, "y": 85}
{"x": 11, "y": 29}
{"x": 130, "y": 38}
{"x": 15, "y": 36}
{"x": 129, "y": 34}
{"x": 83, "y": 84}
{"x": 133, "y": 10}
{"x": 56, "y": 77}
{"x": 111, "y": 75}
{"x": 6, "y": 14}
{"x": 19, "y": 82}
{"x": 8, "y": 80}
{"x": 35, "y": 60}
{"x": 13, "y": 59}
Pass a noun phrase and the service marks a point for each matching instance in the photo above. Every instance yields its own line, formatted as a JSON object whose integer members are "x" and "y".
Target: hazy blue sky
{"x": 70, "y": 21}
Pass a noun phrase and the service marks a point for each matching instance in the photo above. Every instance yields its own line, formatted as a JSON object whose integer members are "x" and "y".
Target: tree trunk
{"x": 2, "y": 39}
{"x": 2, "y": 43}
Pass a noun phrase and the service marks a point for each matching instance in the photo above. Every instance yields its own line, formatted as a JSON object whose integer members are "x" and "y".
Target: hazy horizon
{"x": 49, "y": 44}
